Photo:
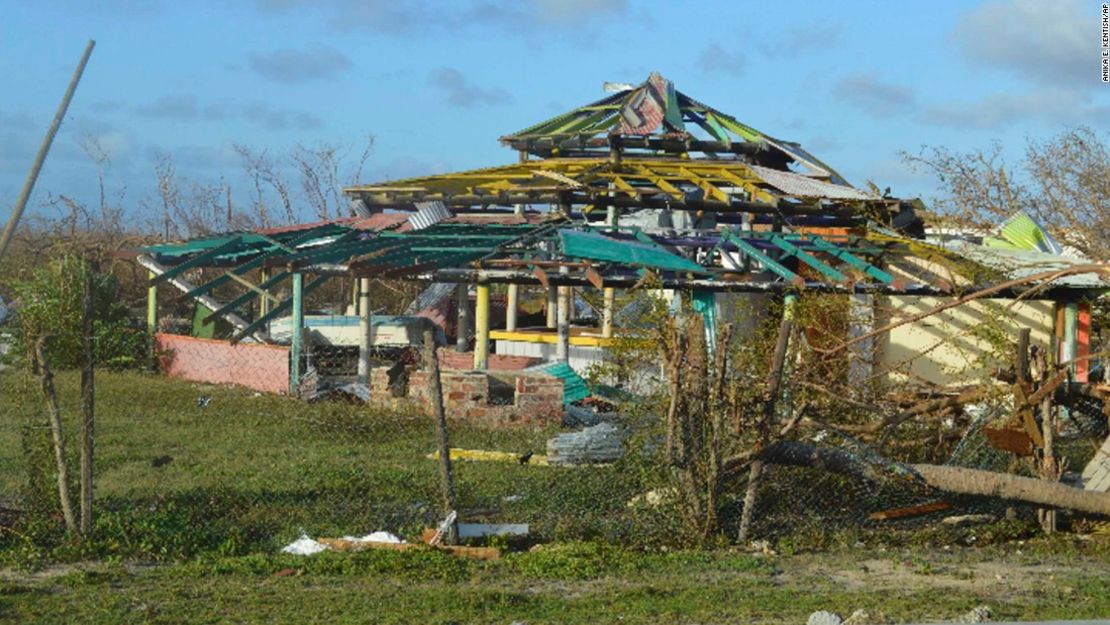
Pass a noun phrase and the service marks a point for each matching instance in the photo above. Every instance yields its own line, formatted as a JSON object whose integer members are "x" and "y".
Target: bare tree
{"x": 266, "y": 177}
{"x": 1063, "y": 182}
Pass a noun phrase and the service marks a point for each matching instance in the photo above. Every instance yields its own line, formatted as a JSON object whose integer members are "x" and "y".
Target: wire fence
{"x": 234, "y": 449}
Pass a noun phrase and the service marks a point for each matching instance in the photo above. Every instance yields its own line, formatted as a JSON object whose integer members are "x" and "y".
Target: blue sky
{"x": 436, "y": 83}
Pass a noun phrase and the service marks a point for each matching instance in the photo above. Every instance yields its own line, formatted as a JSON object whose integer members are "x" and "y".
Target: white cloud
{"x": 873, "y": 95}
{"x": 1052, "y": 42}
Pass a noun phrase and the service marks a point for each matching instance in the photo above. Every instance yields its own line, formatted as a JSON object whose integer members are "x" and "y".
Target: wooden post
{"x": 296, "y": 341}
{"x": 766, "y": 426}
{"x": 511, "y": 306}
{"x": 87, "y": 403}
{"x": 1049, "y": 468}
{"x": 365, "y": 340}
{"x": 462, "y": 328}
{"x": 481, "y": 328}
{"x": 1021, "y": 362}
{"x": 447, "y": 483}
{"x": 44, "y": 149}
{"x": 55, "y": 414}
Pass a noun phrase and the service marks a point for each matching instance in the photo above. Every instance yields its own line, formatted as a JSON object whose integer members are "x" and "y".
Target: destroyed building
{"x": 644, "y": 189}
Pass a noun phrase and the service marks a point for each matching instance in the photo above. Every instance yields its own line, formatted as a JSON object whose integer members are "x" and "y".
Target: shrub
{"x": 49, "y": 303}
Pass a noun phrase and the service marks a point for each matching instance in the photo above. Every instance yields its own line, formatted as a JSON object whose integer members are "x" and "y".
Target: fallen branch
{"x": 950, "y": 479}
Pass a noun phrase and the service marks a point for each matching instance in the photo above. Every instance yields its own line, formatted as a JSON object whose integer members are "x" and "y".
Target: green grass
{"x": 572, "y": 584}
{"x": 196, "y": 539}
{"x": 250, "y": 472}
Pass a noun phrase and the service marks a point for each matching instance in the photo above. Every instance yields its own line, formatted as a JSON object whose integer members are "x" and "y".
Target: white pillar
{"x": 462, "y": 330}
{"x": 552, "y": 304}
{"x": 365, "y": 340}
{"x": 511, "y": 306}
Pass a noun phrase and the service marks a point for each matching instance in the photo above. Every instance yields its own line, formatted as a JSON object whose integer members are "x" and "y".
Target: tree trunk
{"x": 87, "y": 405}
{"x": 950, "y": 479}
{"x": 447, "y": 481}
{"x": 55, "y": 414}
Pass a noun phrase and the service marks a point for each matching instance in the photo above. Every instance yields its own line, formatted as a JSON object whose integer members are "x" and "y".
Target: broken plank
{"x": 911, "y": 511}
{"x": 471, "y": 553}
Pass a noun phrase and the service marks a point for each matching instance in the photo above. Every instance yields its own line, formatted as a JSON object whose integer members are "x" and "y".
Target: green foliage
{"x": 50, "y": 303}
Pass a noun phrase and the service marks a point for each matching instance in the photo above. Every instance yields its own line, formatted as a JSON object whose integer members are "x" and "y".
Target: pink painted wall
{"x": 260, "y": 367}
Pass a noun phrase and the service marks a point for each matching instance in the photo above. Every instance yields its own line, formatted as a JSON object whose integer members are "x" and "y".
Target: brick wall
{"x": 451, "y": 359}
{"x": 537, "y": 398}
{"x": 260, "y": 367}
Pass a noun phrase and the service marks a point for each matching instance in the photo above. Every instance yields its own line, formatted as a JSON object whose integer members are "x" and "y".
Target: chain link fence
{"x": 235, "y": 449}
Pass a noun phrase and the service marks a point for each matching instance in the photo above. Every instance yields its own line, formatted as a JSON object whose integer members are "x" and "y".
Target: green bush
{"x": 50, "y": 303}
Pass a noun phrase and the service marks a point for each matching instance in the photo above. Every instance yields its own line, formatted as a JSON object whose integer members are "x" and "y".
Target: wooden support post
{"x": 462, "y": 328}
{"x": 296, "y": 342}
{"x": 447, "y": 483}
{"x": 1050, "y": 470}
{"x": 365, "y": 339}
{"x": 511, "y": 305}
{"x": 481, "y": 328}
{"x": 44, "y": 149}
{"x": 87, "y": 403}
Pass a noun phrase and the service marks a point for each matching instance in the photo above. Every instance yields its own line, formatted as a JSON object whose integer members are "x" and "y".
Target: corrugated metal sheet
{"x": 428, "y": 214}
{"x": 1022, "y": 263}
{"x": 801, "y": 186}
{"x": 432, "y": 295}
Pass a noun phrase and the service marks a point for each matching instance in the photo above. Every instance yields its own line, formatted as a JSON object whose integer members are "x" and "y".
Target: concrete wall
{"x": 260, "y": 367}
{"x": 953, "y": 348}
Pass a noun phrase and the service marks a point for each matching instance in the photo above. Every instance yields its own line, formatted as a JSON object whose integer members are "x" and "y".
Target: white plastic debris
{"x": 375, "y": 537}
{"x": 304, "y": 546}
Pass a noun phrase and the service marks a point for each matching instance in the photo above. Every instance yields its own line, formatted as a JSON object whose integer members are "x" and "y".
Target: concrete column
{"x": 562, "y": 346}
{"x": 611, "y": 218}
{"x": 365, "y": 338}
{"x": 263, "y": 302}
{"x": 151, "y": 306}
{"x": 462, "y": 328}
{"x": 861, "y": 321}
{"x": 552, "y": 305}
{"x": 562, "y": 306}
{"x": 296, "y": 342}
{"x": 151, "y": 319}
{"x": 511, "y": 306}
{"x": 1069, "y": 348}
{"x": 481, "y": 327}
{"x": 607, "y": 313}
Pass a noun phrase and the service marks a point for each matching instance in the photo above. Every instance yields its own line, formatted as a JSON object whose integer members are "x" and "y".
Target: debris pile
{"x": 600, "y": 443}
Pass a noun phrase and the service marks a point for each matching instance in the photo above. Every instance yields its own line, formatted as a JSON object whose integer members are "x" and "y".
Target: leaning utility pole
{"x": 33, "y": 176}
